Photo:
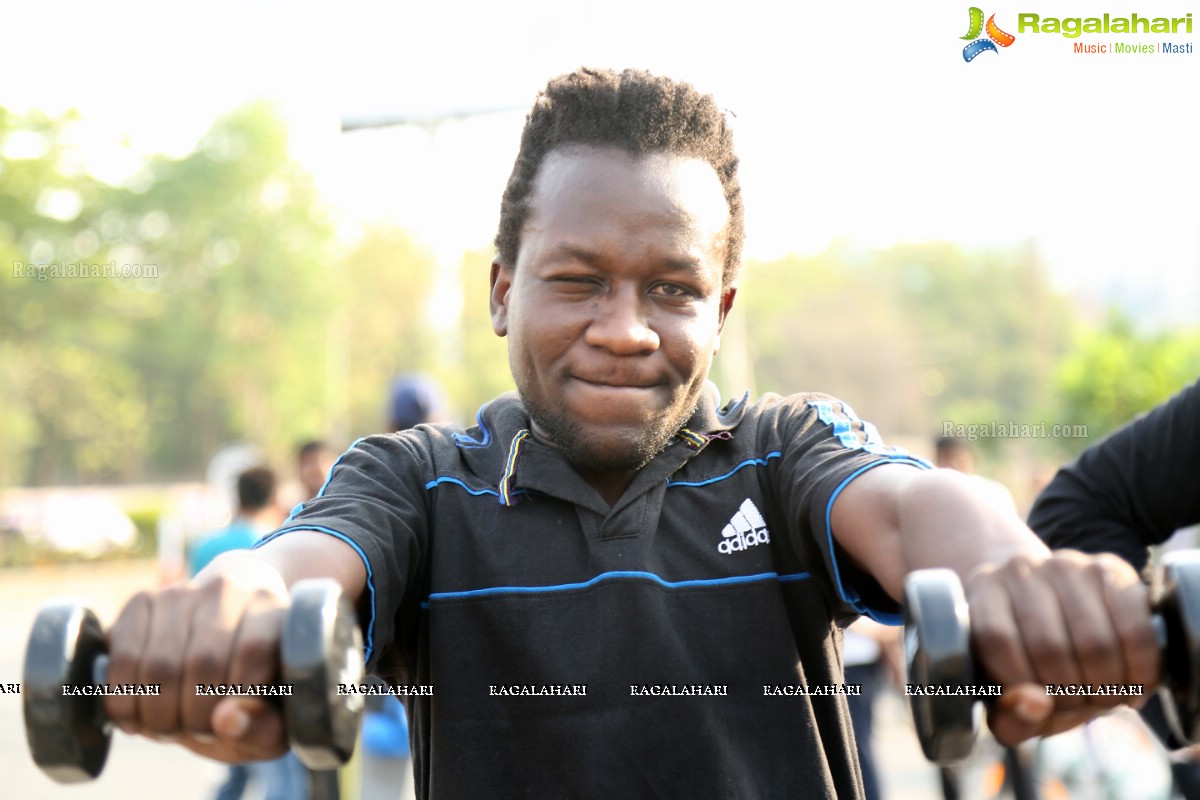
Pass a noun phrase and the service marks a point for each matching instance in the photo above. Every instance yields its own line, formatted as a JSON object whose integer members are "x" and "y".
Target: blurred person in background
{"x": 284, "y": 778}
{"x": 414, "y": 399}
{"x": 314, "y": 459}
{"x": 256, "y": 515}
{"x": 1126, "y": 494}
{"x": 386, "y": 757}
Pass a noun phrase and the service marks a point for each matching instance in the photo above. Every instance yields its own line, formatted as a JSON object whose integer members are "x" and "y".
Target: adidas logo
{"x": 747, "y": 528}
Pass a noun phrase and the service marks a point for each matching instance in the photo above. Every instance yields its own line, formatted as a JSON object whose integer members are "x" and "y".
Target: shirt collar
{"x": 516, "y": 463}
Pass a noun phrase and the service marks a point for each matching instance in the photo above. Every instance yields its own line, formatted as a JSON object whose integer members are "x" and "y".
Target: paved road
{"x": 141, "y": 769}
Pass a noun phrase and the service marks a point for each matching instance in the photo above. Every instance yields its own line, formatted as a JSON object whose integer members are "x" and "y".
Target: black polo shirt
{"x": 501, "y": 579}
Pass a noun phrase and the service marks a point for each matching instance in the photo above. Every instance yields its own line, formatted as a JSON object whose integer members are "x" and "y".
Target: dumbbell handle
{"x": 100, "y": 669}
{"x": 99, "y": 678}
{"x": 1173, "y": 643}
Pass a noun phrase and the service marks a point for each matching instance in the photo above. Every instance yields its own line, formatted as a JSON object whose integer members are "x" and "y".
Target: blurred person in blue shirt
{"x": 256, "y": 516}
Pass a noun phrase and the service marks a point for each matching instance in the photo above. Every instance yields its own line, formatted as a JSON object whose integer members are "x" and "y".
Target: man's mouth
{"x": 618, "y": 383}
{"x": 618, "y": 374}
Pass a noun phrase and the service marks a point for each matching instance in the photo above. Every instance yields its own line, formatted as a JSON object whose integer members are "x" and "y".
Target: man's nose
{"x": 621, "y": 324}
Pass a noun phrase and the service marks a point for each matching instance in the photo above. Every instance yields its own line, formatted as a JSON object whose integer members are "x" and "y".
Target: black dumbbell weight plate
{"x": 321, "y": 648}
{"x": 1179, "y": 608}
{"x": 937, "y": 651}
{"x": 67, "y": 735}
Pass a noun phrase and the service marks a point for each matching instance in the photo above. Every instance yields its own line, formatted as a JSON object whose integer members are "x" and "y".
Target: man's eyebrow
{"x": 685, "y": 264}
{"x": 571, "y": 252}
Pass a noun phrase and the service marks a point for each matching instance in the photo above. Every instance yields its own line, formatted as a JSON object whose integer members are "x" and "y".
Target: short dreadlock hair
{"x": 636, "y": 111}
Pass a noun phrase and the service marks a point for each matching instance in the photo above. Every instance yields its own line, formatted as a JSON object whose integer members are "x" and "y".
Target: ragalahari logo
{"x": 995, "y": 36}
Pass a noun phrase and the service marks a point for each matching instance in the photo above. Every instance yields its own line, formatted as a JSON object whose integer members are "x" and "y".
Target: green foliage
{"x": 255, "y": 324}
{"x": 146, "y": 520}
{"x": 235, "y": 348}
{"x": 913, "y": 335}
{"x": 259, "y": 325}
{"x": 991, "y": 329}
{"x": 480, "y": 370}
{"x": 380, "y": 325}
{"x": 133, "y": 377}
{"x": 389, "y": 323}
{"x": 1115, "y": 373}
{"x": 72, "y": 403}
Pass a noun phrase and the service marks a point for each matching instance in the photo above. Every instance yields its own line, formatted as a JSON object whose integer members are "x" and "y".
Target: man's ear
{"x": 723, "y": 314}
{"x": 501, "y": 282}
{"x": 726, "y": 305}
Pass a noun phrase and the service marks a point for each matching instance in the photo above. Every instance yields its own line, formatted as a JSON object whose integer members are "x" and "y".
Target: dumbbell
{"x": 69, "y": 734}
{"x": 937, "y": 646}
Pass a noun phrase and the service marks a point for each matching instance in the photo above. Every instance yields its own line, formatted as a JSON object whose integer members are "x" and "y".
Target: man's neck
{"x": 609, "y": 484}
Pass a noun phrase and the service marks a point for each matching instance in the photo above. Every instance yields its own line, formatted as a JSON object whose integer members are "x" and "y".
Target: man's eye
{"x": 574, "y": 281}
{"x": 672, "y": 290}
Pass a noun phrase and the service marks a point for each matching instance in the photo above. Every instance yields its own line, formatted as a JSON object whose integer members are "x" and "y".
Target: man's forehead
{"x": 653, "y": 165}
{"x": 580, "y": 172}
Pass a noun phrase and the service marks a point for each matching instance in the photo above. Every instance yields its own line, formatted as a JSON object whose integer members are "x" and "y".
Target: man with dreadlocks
{"x": 615, "y": 585}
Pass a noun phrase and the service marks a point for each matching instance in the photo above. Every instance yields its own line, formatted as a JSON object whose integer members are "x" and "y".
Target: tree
{"x": 1115, "y": 372}
{"x": 911, "y": 335}
{"x": 381, "y": 323}
{"x": 73, "y": 405}
{"x": 223, "y": 336}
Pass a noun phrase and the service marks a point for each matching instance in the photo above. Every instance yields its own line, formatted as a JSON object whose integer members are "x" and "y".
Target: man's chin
{"x": 606, "y": 448}
{"x": 600, "y": 457}
{"x": 606, "y": 442}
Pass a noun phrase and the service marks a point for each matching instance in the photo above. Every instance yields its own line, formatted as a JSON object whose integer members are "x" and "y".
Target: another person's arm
{"x": 1130, "y": 491}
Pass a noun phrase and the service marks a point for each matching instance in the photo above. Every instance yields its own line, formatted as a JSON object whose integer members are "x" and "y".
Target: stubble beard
{"x": 635, "y": 452}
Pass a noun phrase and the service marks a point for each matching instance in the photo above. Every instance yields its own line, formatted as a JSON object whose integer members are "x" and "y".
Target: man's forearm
{"x": 948, "y": 520}
{"x": 294, "y": 557}
{"x": 893, "y": 520}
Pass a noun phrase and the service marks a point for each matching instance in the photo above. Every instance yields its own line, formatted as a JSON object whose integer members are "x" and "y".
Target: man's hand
{"x": 222, "y": 628}
{"x": 1066, "y": 619}
{"x": 1037, "y": 618}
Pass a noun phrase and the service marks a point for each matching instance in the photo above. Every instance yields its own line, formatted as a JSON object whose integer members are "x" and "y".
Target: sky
{"x": 859, "y": 122}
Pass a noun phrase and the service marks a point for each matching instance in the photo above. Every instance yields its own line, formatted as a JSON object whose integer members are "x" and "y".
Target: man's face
{"x": 614, "y": 308}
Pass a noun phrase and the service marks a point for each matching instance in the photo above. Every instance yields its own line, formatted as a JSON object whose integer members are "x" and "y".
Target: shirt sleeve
{"x": 825, "y": 446}
{"x": 374, "y": 500}
{"x": 1132, "y": 490}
